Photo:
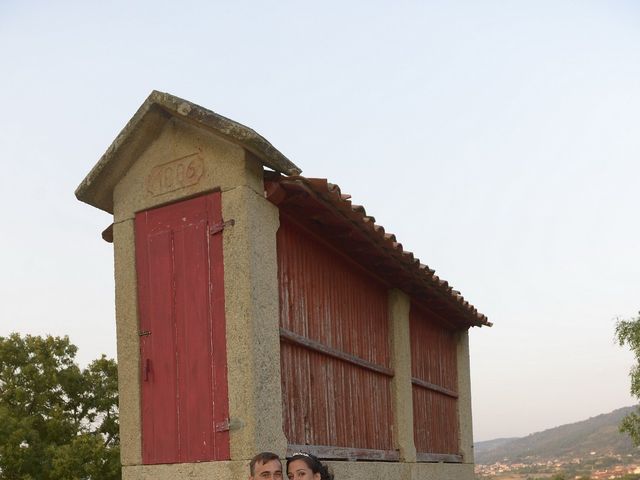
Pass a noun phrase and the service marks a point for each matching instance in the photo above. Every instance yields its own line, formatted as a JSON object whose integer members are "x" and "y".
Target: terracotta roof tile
{"x": 355, "y": 215}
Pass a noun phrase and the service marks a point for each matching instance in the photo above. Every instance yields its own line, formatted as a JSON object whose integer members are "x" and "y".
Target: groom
{"x": 265, "y": 466}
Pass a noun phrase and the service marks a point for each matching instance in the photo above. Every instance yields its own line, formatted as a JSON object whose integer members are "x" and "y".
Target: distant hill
{"x": 576, "y": 440}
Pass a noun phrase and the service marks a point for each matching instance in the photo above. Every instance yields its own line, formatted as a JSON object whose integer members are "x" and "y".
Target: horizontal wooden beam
{"x": 439, "y": 457}
{"x": 434, "y": 387}
{"x": 345, "y": 453}
{"x": 291, "y": 337}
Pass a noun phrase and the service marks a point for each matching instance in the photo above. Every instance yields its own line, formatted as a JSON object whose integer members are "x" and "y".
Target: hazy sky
{"x": 498, "y": 140}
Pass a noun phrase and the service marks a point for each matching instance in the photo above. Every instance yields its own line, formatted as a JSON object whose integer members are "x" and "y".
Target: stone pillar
{"x": 464, "y": 399}
{"x": 252, "y": 316}
{"x": 399, "y": 308}
{"x": 126, "y": 297}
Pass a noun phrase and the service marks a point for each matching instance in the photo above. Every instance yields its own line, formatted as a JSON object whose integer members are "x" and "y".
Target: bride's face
{"x": 298, "y": 470}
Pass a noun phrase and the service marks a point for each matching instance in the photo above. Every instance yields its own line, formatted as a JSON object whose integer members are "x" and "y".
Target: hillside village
{"x": 597, "y": 468}
{"x": 591, "y": 449}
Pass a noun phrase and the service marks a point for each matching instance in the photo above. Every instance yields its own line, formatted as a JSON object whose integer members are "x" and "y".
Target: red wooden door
{"x": 182, "y": 332}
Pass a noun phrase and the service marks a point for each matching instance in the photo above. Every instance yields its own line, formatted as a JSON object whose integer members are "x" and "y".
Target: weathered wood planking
{"x": 335, "y": 356}
{"x": 435, "y": 384}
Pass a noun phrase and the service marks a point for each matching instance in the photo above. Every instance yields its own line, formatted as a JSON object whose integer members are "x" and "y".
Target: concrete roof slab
{"x": 145, "y": 126}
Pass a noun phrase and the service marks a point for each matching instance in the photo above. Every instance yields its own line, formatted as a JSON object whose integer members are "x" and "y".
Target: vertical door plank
{"x": 194, "y": 352}
{"x": 221, "y": 446}
{"x": 157, "y": 365}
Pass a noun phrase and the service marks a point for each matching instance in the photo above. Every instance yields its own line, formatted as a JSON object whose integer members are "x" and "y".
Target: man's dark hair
{"x": 262, "y": 457}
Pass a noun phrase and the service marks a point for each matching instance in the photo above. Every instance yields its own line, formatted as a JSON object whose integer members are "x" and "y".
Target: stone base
{"x": 192, "y": 471}
{"x": 239, "y": 470}
{"x": 401, "y": 471}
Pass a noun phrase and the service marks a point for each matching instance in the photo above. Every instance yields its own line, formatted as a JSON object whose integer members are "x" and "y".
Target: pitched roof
{"x": 97, "y": 188}
{"x": 319, "y": 203}
{"x": 330, "y": 212}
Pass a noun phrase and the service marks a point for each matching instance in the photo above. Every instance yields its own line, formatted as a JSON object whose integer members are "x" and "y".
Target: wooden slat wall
{"x": 435, "y": 373}
{"x": 327, "y": 299}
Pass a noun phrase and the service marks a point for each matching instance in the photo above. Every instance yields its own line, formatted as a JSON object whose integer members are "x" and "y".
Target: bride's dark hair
{"x": 313, "y": 463}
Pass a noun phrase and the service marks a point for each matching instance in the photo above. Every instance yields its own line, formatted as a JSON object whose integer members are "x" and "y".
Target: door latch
{"x": 218, "y": 227}
{"x": 229, "y": 424}
{"x": 223, "y": 426}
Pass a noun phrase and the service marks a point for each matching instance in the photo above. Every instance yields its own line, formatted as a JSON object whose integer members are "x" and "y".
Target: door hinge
{"x": 229, "y": 424}
{"x": 218, "y": 227}
{"x": 223, "y": 426}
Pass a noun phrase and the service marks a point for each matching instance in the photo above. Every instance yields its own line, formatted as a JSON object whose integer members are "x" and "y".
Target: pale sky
{"x": 499, "y": 140}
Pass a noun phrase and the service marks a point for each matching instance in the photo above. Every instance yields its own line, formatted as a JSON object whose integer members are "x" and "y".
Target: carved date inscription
{"x": 176, "y": 174}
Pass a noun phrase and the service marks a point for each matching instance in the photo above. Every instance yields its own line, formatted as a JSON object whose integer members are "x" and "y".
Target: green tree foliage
{"x": 57, "y": 421}
{"x": 628, "y": 333}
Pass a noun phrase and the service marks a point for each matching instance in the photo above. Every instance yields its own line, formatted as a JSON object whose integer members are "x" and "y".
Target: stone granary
{"x": 258, "y": 309}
